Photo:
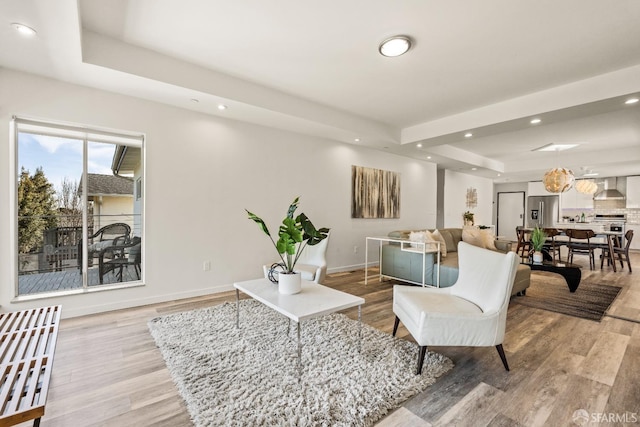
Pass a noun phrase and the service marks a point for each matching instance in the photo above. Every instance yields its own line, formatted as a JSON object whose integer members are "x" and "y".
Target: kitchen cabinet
{"x": 633, "y": 192}
{"x": 536, "y": 188}
{"x": 573, "y": 199}
{"x": 635, "y": 242}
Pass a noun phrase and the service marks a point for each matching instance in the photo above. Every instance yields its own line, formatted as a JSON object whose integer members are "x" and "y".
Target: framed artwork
{"x": 375, "y": 193}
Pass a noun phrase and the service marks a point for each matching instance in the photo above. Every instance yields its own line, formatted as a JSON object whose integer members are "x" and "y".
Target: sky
{"x": 62, "y": 157}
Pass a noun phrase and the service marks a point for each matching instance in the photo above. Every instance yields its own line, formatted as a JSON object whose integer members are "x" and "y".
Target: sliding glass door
{"x": 79, "y": 207}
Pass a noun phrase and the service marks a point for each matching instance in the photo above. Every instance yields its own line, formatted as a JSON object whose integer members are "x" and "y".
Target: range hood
{"x": 609, "y": 192}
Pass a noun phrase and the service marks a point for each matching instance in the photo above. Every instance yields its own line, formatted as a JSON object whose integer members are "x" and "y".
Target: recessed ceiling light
{"x": 535, "y": 121}
{"x": 591, "y": 174}
{"x": 23, "y": 29}
{"x": 499, "y": 174}
{"x": 428, "y": 157}
{"x": 419, "y": 145}
{"x": 474, "y": 169}
{"x": 356, "y": 140}
{"x": 631, "y": 101}
{"x": 222, "y": 107}
{"x": 468, "y": 135}
{"x": 555, "y": 147}
{"x": 194, "y": 100}
{"x": 395, "y": 46}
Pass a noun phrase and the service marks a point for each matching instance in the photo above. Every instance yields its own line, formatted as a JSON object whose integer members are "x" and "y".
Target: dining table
{"x": 608, "y": 239}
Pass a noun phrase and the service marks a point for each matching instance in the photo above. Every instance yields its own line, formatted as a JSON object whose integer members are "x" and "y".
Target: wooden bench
{"x": 27, "y": 344}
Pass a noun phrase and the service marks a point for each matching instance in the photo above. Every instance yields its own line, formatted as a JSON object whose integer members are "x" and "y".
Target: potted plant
{"x": 294, "y": 234}
{"x": 468, "y": 218}
{"x": 538, "y": 239}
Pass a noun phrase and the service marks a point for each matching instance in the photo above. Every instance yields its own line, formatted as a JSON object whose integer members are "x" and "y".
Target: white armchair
{"x": 312, "y": 263}
{"x": 472, "y": 312}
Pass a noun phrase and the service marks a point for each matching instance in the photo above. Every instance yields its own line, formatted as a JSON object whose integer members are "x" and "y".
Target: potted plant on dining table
{"x": 294, "y": 234}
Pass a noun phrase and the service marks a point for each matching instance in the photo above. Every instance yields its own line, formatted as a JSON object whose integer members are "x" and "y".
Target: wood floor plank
{"x": 582, "y": 393}
{"x": 403, "y": 418}
{"x": 603, "y": 361}
{"x": 478, "y": 407}
{"x": 533, "y": 400}
{"x": 625, "y": 393}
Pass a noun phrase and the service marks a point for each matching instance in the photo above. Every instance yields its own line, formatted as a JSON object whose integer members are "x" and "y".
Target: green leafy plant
{"x": 538, "y": 239}
{"x": 468, "y": 216}
{"x": 294, "y": 234}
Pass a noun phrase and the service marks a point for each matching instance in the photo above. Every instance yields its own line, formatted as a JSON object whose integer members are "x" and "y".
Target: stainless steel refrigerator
{"x": 543, "y": 211}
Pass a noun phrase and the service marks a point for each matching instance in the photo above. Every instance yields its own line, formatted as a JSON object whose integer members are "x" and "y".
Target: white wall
{"x": 455, "y": 199}
{"x": 201, "y": 173}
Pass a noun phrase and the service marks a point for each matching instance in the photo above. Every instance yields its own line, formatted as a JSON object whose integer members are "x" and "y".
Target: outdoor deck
{"x": 68, "y": 279}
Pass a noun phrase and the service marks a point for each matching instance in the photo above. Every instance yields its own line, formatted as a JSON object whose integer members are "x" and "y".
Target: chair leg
{"x": 395, "y": 326}
{"x": 502, "y": 356}
{"x": 421, "y": 354}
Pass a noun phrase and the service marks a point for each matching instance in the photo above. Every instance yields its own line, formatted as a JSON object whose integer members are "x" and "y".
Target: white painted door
{"x": 510, "y": 214}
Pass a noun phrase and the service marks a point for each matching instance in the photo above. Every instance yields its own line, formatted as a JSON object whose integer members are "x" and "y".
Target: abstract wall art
{"x": 375, "y": 193}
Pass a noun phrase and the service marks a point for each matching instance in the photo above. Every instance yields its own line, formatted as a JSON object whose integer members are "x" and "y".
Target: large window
{"x": 79, "y": 207}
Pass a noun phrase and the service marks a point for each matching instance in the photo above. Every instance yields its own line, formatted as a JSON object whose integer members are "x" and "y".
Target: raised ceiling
{"x": 314, "y": 68}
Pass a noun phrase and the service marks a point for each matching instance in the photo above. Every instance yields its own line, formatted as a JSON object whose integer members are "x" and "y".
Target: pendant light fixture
{"x": 586, "y": 186}
{"x": 558, "y": 180}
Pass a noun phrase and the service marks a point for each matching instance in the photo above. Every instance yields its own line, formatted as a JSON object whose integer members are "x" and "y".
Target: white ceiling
{"x": 313, "y": 67}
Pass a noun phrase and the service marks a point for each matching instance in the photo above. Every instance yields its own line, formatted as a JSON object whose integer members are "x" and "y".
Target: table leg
{"x": 366, "y": 261}
{"x": 612, "y": 256}
{"x": 237, "y": 308}
{"x": 299, "y": 353}
{"x": 360, "y": 328}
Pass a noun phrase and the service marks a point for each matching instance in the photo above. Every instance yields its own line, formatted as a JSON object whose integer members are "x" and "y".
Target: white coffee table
{"x": 314, "y": 301}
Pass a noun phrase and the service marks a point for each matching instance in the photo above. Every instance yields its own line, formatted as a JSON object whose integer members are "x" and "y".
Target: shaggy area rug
{"x": 249, "y": 376}
{"x": 550, "y": 292}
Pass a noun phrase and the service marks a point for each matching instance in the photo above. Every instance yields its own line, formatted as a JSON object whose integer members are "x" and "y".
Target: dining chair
{"x": 621, "y": 251}
{"x": 524, "y": 244}
{"x": 580, "y": 243}
{"x": 552, "y": 246}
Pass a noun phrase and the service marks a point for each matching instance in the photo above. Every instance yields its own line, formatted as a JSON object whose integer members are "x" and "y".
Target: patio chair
{"x": 120, "y": 256}
{"x": 106, "y": 236}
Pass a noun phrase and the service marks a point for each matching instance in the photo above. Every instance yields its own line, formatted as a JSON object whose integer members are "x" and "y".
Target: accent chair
{"x": 472, "y": 312}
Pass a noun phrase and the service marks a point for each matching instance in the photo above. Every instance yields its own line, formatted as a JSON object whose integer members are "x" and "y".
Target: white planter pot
{"x": 289, "y": 284}
{"x": 537, "y": 257}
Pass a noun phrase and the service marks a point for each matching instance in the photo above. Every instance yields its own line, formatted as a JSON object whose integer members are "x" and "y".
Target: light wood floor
{"x": 108, "y": 372}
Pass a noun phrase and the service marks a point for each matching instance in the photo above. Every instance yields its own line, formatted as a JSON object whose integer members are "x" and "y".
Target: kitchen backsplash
{"x": 605, "y": 207}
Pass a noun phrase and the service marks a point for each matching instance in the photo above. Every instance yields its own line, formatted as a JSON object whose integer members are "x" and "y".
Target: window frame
{"x": 86, "y": 134}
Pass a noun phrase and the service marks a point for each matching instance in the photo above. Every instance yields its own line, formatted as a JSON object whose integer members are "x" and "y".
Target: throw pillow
{"x": 481, "y": 238}
{"x": 422, "y": 236}
{"x": 443, "y": 245}
{"x": 416, "y": 236}
{"x": 489, "y": 239}
{"x": 472, "y": 236}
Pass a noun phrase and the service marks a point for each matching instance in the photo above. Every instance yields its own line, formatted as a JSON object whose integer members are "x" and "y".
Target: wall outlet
{"x": 206, "y": 266}
{"x": 355, "y": 249}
